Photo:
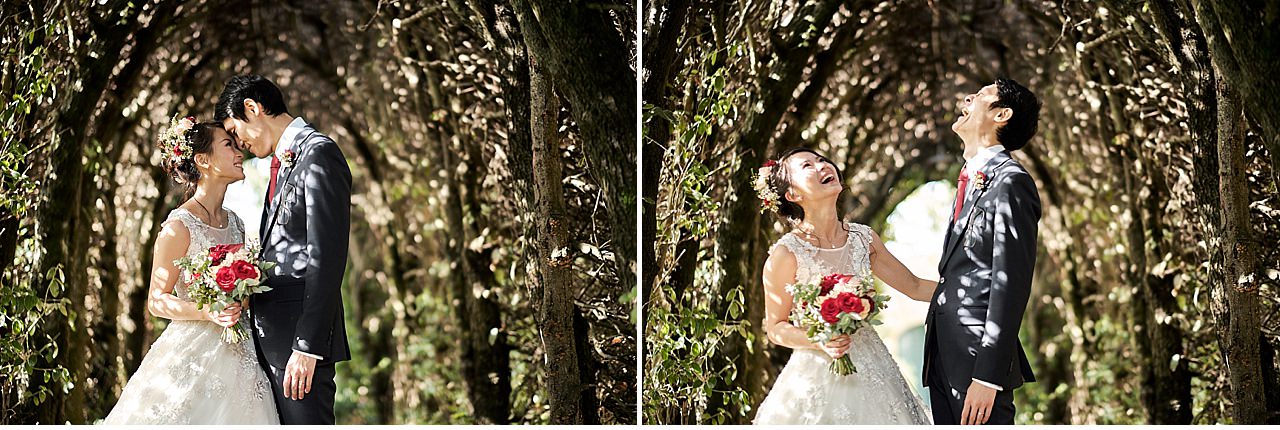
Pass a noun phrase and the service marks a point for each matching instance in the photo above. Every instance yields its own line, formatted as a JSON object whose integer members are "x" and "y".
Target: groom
{"x": 973, "y": 359}
{"x": 297, "y": 326}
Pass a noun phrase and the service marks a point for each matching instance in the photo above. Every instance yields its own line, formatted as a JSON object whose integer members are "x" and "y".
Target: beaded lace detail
{"x": 806, "y": 392}
{"x": 189, "y": 376}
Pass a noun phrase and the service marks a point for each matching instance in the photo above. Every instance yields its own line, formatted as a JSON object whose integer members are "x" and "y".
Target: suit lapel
{"x": 282, "y": 177}
{"x": 955, "y": 233}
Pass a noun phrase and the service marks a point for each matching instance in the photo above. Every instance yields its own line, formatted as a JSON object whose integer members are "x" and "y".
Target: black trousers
{"x": 315, "y": 407}
{"x": 948, "y": 401}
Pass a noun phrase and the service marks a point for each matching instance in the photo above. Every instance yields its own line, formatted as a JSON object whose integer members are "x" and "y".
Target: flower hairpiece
{"x": 174, "y": 141}
{"x": 768, "y": 197}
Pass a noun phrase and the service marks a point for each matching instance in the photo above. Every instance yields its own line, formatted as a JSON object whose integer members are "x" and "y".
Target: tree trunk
{"x": 740, "y": 229}
{"x": 106, "y": 336}
{"x": 1235, "y": 301}
{"x": 662, "y": 62}
{"x": 485, "y": 354}
{"x": 1245, "y": 44}
{"x": 8, "y": 238}
{"x": 555, "y": 318}
{"x": 582, "y": 52}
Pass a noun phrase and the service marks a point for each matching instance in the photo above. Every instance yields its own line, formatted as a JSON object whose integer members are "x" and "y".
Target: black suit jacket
{"x": 305, "y": 230}
{"x": 987, "y": 261}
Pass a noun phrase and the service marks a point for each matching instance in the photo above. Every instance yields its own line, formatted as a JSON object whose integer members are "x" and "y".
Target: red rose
{"x": 219, "y": 252}
{"x": 830, "y": 281}
{"x": 831, "y": 311}
{"x": 244, "y": 270}
{"x": 226, "y": 279}
{"x": 850, "y": 303}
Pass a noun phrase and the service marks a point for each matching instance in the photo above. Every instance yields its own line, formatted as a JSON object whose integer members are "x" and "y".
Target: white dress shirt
{"x": 982, "y": 157}
{"x": 288, "y": 136}
{"x": 971, "y": 165}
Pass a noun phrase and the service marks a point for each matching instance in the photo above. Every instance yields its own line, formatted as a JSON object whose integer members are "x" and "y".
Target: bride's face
{"x": 812, "y": 177}
{"x": 224, "y": 162}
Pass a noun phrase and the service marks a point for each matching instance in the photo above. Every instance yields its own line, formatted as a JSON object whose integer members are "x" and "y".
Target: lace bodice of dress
{"x": 812, "y": 262}
{"x": 806, "y": 392}
{"x": 204, "y": 236}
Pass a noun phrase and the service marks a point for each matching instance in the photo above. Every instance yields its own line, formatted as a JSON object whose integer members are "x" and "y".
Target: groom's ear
{"x": 1003, "y": 115}
{"x": 251, "y": 108}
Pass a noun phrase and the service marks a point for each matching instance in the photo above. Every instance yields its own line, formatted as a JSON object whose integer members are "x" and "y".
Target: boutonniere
{"x": 979, "y": 180}
{"x": 289, "y": 157}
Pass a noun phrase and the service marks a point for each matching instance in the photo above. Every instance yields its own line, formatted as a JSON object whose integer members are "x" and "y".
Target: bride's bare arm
{"x": 779, "y": 271}
{"x": 172, "y": 245}
{"x": 887, "y": 267}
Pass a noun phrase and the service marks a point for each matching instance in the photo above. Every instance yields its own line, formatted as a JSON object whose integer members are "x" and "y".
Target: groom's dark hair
{"x": 1019, "y": 130}
{"x": 255, "y": 87}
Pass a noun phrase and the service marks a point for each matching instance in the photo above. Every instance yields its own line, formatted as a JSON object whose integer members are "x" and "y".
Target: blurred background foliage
{"x": 490, "y": 277}
{"x": 1155, "y": 296}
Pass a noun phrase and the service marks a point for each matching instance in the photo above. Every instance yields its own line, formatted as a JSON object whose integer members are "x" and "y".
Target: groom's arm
{"x": 1013, "y": 259}
{"x": 328, "y": 212}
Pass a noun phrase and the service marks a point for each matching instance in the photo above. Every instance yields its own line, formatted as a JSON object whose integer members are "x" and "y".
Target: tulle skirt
{"x": 806, "y": 392}
{"x": 191, "y": 377}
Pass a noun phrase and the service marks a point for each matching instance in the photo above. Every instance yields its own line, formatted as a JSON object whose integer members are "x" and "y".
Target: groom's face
{"x": 976, "y": 116}
{"x": 250, "y": 133}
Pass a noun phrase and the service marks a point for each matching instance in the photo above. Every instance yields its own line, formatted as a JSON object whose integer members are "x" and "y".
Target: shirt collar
{"x": 290, "y": 134}
{"x": 982, "y": 157}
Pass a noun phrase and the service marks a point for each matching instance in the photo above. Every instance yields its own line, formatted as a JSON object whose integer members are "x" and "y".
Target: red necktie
{"x": 275, "y": 168}
{"x": 960, "y": 186}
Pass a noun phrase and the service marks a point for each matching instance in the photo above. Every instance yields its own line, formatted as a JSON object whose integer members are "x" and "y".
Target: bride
{"x": 190, "y": 376}
{"x": 803, "y": 187}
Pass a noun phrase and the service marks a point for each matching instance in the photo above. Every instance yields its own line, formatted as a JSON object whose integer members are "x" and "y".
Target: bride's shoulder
{"x": 862, "y": 233}
{"x": 788, "y": 245}
{"x": 176, "y": 226}
{"x": 180, "y": 216}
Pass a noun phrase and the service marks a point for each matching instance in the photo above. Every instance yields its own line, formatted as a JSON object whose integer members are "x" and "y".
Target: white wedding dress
{"x": 806, "y": 392}
{"x": 190, "y": 376}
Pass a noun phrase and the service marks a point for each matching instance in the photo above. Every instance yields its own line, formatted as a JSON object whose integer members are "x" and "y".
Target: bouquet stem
{"x": 843, "y": 366}
{"x": 234, "y": 334}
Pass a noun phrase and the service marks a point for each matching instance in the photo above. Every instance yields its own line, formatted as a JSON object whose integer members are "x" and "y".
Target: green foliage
{"x": 683, "y": 330}
{"x": 1128, "y": 242}
{"x": 32, "y": 41}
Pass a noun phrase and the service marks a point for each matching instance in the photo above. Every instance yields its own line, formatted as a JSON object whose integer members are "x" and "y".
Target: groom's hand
{"x": 977, "y": 404}
{"x": 297, "y": 375}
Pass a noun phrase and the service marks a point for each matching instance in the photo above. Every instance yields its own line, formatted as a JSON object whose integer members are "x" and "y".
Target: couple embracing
{"x": 973, "y": 360}
{"x": 285, "y": 374}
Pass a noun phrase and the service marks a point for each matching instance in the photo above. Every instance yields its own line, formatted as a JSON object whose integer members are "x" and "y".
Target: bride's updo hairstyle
{"x": 780, "y": 181}
{"x": 179, "y": 144}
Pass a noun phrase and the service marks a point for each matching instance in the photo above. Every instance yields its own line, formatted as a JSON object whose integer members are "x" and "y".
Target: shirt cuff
{"x": 988, "y": 384}
{"x": 319, "y": 358}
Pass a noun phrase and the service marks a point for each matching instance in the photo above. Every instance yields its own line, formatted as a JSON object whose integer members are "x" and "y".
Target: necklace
{"x": 208, "y": 214}
{"x": 827, "y": 243}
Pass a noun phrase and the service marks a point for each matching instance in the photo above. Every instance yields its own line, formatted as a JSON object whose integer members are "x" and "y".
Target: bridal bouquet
{"x": 225, "y": 275}
{"x": 838, "y": 305}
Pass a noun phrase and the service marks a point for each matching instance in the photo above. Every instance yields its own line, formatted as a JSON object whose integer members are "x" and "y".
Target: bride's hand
{"x": 837, "y": 346}
{"x": 228, "y": 317}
